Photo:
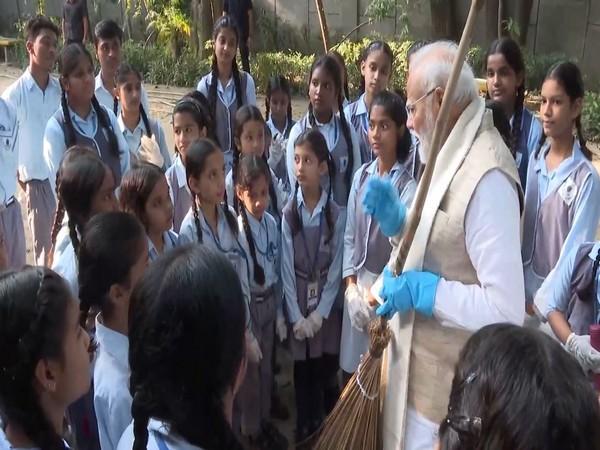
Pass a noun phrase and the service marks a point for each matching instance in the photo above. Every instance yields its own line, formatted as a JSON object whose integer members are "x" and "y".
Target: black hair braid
{"x": 59, "y": 215}
{"x": 115, "y": 105}
{"x": 311, "y": 116}
{"x": 259, "y": 272}
{"x": 268, "y": 103}
{"x": 296, "y": 222}
{"x": 104, "y": 122}
{"x": 146, "y": 121}
{"x": 74, "y": 237}
{"x": 234, "y": 168}
{"x": 540, "y": 144}
{"x": 238, "y": 83}
{"x": 348, "y": 138}
{"x": 289, "y": 119}
{"x": 231, "y": 220}
{"x": 212, "y": 89}
{"x": 140, "y": 422}
{"x": 516, "y": 125}
{"x": 328, "y": 215}
{"x": 196, "y": 218}
{"x": 582, "y": 142}
{"x": 272, "y": 192}
{"x": 70, "y": 139}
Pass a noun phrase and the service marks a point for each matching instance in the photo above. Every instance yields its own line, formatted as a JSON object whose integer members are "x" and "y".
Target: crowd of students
{"x": 185, "y": 335}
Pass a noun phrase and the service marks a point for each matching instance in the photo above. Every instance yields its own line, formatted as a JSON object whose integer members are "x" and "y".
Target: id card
{"x": 312, "y": 294}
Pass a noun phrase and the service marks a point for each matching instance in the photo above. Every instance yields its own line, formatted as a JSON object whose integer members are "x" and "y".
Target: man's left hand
{"x": 410, "y": 290}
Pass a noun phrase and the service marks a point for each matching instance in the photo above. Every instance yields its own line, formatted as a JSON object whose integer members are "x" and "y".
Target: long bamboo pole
{"x": 323, "y": 24}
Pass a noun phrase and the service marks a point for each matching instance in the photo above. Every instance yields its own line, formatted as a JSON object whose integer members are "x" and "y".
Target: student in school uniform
{"x": 191, "y": 121}
{"x": 366, "y": 247}
{"x": 186, "y": 352}
{"x": 86, "y": 187}
{"x": 108, "y": 40}
{"x": 325, "y": 86}
{"x": 144, "y": 135}
{"x": 250, "y": 139}
{"x": 81, "y": 120}
{"x": 262, "y": 245}
{"x": 12, "y": 234}
{"x": 311, "y": 265}
{"x": 144, "y": 192}
{"x": 226, "y": 87}
{"x": 570, "y": 301}
{"x": 505, "y": 74}
{"x": 278, "y": 111}
{"x": 113, "y": 256}
{"x": 36, "y": 97}
{"x": 375, "y": 69}
{"x": 45, "y": 358}
{"x": 211, "y": 221}
{"x": 562, "y": 197}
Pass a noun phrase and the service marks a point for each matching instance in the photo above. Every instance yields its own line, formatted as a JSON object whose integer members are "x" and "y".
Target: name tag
{"x": 568, "y": 191}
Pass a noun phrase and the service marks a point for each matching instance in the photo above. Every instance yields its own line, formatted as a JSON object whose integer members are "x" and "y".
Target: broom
{"x": 354, "y": 422}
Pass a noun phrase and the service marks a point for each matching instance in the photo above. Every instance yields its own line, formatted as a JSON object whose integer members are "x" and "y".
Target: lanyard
{"x": 217, "y": 241}
{"x": 269, "y": 251}
{"x": 313, "y": 266}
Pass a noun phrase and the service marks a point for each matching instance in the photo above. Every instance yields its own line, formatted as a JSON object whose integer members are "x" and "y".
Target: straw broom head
{"x": 355, "y": 420}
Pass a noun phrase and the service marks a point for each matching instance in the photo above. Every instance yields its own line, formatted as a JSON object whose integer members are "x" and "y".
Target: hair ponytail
{"x": 581, "y": 138}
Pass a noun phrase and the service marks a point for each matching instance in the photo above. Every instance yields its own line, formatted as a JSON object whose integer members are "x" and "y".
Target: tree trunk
{"x": 217, "y": 9}
{"x": 195, "y": 30}
{"x": 205, "y": 25}
{"x": 523, "y": 15}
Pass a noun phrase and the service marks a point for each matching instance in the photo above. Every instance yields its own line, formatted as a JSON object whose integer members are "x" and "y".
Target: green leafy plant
{"x": 536, "y": 67}
{"x": 171, "y": 26}
{"x": 591, "y": 116}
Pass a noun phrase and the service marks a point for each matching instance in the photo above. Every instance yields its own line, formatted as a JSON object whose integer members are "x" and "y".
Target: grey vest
{"x": 182, "y": 200}
{"x": 324, "y": 340}
{"x": 225, "y": 121}
{"x": 548, "y": 223}
{"x": 366, "y": 154}
{"x": 339, "y": 154}
{"x": 100, "y": 143}
{"x": 583, "y": 305}
{"x": 367, "y": 233}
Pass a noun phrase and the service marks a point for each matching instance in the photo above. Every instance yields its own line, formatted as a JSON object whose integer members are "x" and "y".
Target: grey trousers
{"x": 12, "y": 235}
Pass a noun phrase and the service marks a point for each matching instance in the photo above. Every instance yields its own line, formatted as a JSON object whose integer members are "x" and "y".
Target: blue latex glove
{"x": 410, "y": 290}
{"x": 381, "y": 200}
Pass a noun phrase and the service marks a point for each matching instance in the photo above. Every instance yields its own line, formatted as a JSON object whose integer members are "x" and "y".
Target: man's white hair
{"x": 433, "y": 63}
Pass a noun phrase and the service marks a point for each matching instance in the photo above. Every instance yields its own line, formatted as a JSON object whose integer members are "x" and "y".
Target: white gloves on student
{"x": 303, "y": 329}
{"x": 252, "y": 348}
{"x": 581, "y": 348}
{"x": 150, "y": 151}
{"x": 316, "y": 322}
{"x": 358, "y": 309}
{"x": 276, "y": 152}
{"x": 281, "y": 328}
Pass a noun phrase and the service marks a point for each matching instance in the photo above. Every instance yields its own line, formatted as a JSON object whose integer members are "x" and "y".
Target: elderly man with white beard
{"x": 464, "y": 267}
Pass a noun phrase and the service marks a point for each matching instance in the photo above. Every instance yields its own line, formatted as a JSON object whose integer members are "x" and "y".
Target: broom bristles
{"x": 354, "y": 421}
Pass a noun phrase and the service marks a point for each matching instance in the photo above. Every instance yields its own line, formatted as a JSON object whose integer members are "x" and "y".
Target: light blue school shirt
{"x": 54, "y": 140}
{"x": 170, "y": 240}
{"x": 332, "y": 132}
{"x": 227, "y": 93}
{"x": 64, "y": 261}
{"x": 288, "y": 272}
{"x": 555, "y": 292}
{"x": 112, "y": 400}
{"x": 267, "y": 243}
